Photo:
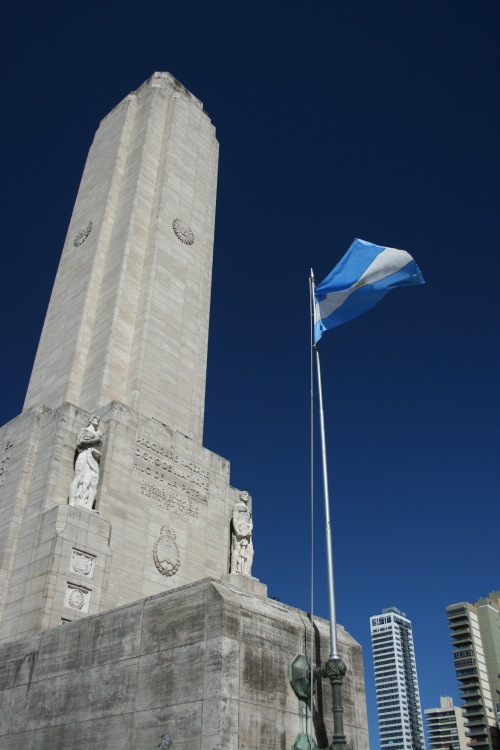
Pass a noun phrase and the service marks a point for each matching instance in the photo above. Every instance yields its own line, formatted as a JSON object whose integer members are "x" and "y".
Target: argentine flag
{"x": 364, "y": 275}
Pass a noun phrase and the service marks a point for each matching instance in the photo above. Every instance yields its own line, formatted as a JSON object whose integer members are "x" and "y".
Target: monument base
{"x": 247, "y": 583}
{"x": 203, "y": 666}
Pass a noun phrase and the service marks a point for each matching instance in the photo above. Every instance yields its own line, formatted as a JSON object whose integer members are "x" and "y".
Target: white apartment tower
{"x": 445, "y": 726}
{"x": 396, "y": 685}
{"x": 475, "y": 635}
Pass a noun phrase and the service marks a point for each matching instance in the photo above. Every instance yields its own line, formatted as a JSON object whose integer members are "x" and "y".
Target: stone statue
{"x": 241, "y": 537}
{"x": 84, "y": 486}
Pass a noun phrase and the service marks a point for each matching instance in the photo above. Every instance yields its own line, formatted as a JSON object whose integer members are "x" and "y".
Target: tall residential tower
{"x": 475, "y": 635}
{"x": 396, "y": 684}
{"x": 445, "y": 726}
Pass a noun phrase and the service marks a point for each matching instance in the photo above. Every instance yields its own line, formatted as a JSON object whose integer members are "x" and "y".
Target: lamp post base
{"x": 335, "y": 670}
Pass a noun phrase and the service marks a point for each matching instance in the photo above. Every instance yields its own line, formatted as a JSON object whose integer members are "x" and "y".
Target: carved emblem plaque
{"x": 82, "y": 563}
{"x": 77, "y": 597}
{"x": 166, "y": 553}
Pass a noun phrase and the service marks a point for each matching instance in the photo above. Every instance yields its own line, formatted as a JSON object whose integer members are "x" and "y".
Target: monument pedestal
{"x": 246, "y": 583}
{"x": 205, "y": 664}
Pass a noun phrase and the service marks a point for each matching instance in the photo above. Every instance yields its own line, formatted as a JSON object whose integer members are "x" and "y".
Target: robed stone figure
{"x": 241, "y": 536}
{"x": 84, "y": 485}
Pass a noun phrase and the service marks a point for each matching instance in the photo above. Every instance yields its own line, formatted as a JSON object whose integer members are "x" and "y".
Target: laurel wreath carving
{"x": 76, "y": 599}
{"x": 166, "y": 553}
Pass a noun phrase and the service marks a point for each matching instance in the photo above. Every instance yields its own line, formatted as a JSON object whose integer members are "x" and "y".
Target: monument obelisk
{"x": 144, "y": 507}
{"x": 128, "y": 317}
{"x": 115, "y": 521}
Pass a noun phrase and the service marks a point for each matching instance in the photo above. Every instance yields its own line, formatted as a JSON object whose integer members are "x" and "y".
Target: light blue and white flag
{"x": 364, "y": 275}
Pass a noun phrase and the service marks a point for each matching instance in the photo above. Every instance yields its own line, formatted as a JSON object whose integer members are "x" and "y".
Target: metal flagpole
{"x": 334, "y": 669}
{"x": 328, "y": 528}
{"x": 312, "y": 454}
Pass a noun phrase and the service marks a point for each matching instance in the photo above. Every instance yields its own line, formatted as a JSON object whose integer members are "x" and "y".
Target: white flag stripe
{"x": 389, "y": 261}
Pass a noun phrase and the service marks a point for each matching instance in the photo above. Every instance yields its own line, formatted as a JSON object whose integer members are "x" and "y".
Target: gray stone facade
{"x": 205, "y": 664}
{"x": 155, "y": 484}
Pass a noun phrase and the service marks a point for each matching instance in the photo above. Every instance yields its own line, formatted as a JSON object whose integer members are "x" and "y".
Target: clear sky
{"x": 336, "y": 120}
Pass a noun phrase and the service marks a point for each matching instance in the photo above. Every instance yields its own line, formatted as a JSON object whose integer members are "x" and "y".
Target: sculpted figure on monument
{"x": 84, "y": 485}
{"x": 241, "y": 537}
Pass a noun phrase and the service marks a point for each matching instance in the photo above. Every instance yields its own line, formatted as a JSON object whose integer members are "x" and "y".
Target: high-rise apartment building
{"x": 445, "y": 726}
{"x": 398, "y": 699}
{"x": 475, "y": 635}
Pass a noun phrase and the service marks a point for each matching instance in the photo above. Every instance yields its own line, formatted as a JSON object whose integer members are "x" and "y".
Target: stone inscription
{"x": 170, "y": 501}
{"x": 166, "y": 467}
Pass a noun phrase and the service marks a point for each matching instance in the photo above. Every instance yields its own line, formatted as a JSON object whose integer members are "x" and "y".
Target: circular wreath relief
{"x": 76, "y": 599}
{"x": 82, "y": 235}
{"x": 183, "y": 232}
{"x": 166, "y": 553}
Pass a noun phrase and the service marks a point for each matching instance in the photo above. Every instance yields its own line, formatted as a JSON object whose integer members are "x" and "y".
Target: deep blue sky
{"x": 377, "y": 120}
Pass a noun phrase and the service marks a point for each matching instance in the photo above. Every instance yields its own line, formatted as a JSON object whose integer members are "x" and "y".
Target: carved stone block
{"x": 77, "y": 597}
{"x": 82, "y": 563}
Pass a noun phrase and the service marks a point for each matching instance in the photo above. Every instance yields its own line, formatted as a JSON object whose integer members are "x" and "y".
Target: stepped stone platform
{"x": 202, "y": 666}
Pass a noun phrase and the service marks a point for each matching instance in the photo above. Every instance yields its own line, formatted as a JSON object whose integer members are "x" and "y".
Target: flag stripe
{"x": 363, "y": 277}
{"x": 348, "y": 270}
{"x": 385, "y": 264}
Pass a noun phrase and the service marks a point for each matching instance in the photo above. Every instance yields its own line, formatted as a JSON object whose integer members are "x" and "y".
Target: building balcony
{"x": 460, "y": 630}
{"x": 462, "y": 643}
{"x": 473, "y": 712}
{"x": 477, "y": 732}
{"x": 457, "y": 614}
{"x": 478, "y": 723}
{"x": 470, "y": 697}
{"x": 472, "y": 701}
{"x": 471, "y": 685}
{"x": 474, "y": 709}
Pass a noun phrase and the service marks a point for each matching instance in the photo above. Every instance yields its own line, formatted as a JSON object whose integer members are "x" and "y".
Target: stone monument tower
{"x": 124, "y": 340}
{"x": 111, "y": 506}
{"x": 128, "y": 317}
